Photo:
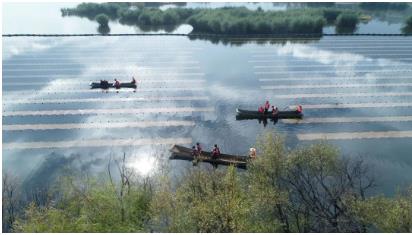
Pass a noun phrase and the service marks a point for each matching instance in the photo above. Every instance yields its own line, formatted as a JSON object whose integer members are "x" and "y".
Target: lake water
{"x": 357, "y": 90}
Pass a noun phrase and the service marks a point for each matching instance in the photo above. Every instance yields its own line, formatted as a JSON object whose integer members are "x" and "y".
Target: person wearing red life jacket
{"x": 199, "y": 148}
{"x": 215, "y": 151}
{"x": 299, "y": 109}
{"x": 260, "y": 110}
{"x": 267, "y": 106}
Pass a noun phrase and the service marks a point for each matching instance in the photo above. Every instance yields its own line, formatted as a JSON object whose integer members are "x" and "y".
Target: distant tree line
{"x": 307, "y": 189}
{"x": 227, "y": 20}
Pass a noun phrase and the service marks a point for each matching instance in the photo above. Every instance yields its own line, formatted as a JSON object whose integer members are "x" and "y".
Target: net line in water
{"x": 320, "y": 86}
{"x": 326, "y": 65}
{"x": 100, "y": 63}
{"x": 106, "y": 111}
{"x": 104, "y": 75}
{"x": 355, "y": 135}
{"x": 97, "y": 90}
{"x": 293, "y": 59}
{"x": 360, "y": 78}
{"x": 334, "y": 95}
{"x": 99, "y": 100}
{"x": 356, "y": 105}
{"x": 79, "y": 82}
{"x": 97, "y": 125}
{"x": 335, "y": 71}
{"x": 349, "y": 120}
{"x": 106, "y": 68}
{"x": 95, "y": 143}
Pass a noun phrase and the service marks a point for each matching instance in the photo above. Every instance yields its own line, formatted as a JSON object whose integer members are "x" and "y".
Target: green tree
{"x": 103, "y": 20}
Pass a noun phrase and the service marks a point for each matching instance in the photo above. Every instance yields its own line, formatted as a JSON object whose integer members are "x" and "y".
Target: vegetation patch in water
{"x": 227, "y": 20}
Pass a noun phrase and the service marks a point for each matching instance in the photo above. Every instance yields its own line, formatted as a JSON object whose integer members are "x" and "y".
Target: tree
{"x": 103, "y": 20}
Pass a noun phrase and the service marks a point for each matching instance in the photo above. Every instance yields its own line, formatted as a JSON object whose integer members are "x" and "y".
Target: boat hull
{"x": 184, "y": 153}
{"x": 97, "y": 85}
{"x": 246, "y": 114}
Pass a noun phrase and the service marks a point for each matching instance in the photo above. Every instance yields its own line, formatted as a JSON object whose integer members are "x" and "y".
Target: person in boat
{"x": 261, "y": 110}
{"x": 267, "y": 106}
{"x": 299, "y": 109}
{"x": 199, "y": 148}
{"x": 215, "y": 151}
{"x": 133, "y": 81}
{"x": 116, "y": 84}
{"x": 275, "y": 111}
{"x": 252, "y": 153}
{"x": 194, "y": 151}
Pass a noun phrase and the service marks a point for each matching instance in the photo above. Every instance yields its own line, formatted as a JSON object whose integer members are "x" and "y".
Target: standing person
{"x": 116, "y": 84}
{"x": 199, "y": 148}
{"x": 215, "y": 151}
{"x": 267, "y": 106}
{"x": 252, "y": 153}
{"x": 260, "y": 110}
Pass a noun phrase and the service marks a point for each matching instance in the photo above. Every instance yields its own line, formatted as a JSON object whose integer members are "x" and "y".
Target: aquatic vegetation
{"x": 227, "y": 20}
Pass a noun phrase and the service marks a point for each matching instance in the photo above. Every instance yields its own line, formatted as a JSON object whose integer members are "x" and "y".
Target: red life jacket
{"x": 267, "y": 105}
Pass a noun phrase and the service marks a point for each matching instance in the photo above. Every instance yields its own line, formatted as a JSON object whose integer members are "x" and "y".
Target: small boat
{"x": 98, "y": 85}
{"x": 246, "y": 114}
{"x": 183, "y": 153}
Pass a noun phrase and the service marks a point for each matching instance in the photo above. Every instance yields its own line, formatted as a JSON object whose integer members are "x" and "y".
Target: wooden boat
{"x": 246, "y": 114}
{"x": 183, "y": 153}
{"x": 98, "y": 85}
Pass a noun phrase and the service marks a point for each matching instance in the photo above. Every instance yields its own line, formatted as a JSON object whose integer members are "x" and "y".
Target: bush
{"x": 347, "y": 20}
{"x": 103, "y": 20}
{"x": 408, "y": 22}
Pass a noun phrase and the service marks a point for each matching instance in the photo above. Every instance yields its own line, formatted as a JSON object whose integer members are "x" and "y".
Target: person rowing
{"x": 275, "y": 111}
{"x": 215, "y": 151}
{"x": 299, "y": 109}
{"x": 267, "y": 106}
{"x": 199, "y": 148}
{"x": 116, "y": 84}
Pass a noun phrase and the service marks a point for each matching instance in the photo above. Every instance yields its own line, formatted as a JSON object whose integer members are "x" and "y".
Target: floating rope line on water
{"x": 322, "y": 86}
{"x": 100, "y": 100}
{"x": 349, "y": 120}
{"x": 355, "y": 135}
{"x": 335, "y": 95}
{"x": 79, "y": 82}
{"x": 232, "y": 36}
{"x": 95, "y": 143}
{"x": 356, "y": 105}
{"x": 331, "y": 79}
{"x": 98, "y": 125}
{"x": 106, "y": 68}
{"x": 122, "y": 90}
{"x": 104, "y": 75}
{"x": 325, "y": 66}
{"x": 105, "y": 111}
{"x": 337, "y": 71}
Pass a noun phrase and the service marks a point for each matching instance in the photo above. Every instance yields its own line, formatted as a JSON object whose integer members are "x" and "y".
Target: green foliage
{"x": 97, "y": 209}
{"x": 306, "y": 189}
{"x": 347, "y": 20}
{"x": 228, "y": 20}
{"x": 389, "y": 215}
{"x": 102, "y": 19}
{"x": 408, "y": 22}
{"x": 399, "y": 6}
{"x": 203, "y": 202}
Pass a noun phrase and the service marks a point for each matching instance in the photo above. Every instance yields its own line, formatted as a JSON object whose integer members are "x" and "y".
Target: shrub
{"x": 103, "y": 20}
{"x": 347, "y": 20}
